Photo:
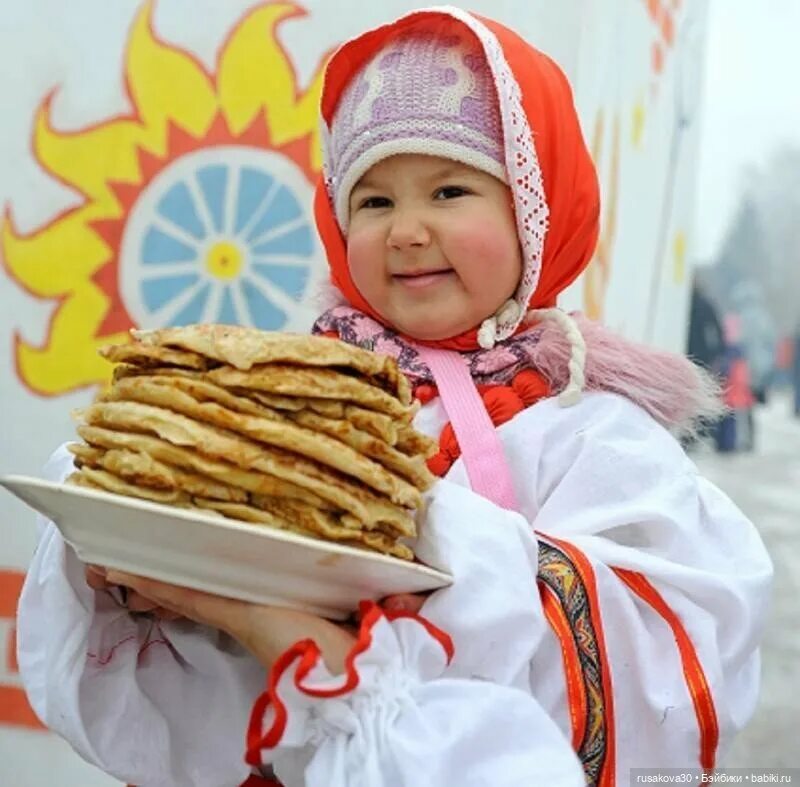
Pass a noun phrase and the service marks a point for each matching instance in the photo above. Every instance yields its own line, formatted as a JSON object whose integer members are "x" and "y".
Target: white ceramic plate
{"x": 221, "y": 556}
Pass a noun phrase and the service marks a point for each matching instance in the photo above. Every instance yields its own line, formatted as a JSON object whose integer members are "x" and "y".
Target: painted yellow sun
{"x": 193, "y": 206}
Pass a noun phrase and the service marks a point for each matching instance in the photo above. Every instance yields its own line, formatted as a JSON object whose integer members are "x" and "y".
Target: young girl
{"x": 607, "y": 601}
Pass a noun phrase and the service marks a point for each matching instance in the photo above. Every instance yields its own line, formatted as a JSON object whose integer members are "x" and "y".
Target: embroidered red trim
{"x": 573, "y": 672}
{"x": 607, "y": 777}
{"x": 307, "y": 654}
{"x": 696, "y": 681}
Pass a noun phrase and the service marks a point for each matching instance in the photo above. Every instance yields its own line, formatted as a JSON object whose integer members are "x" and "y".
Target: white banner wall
{"x": 156, "y": 167}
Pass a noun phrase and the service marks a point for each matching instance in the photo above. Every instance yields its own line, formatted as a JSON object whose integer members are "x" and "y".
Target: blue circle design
{"x": 243, "y": 205}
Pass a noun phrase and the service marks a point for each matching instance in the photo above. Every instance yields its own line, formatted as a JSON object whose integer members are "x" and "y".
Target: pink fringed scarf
{"x": 674, "y": 391}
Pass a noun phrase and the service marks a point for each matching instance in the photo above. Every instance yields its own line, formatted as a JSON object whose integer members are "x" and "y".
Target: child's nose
{"x": 408, "y": 230}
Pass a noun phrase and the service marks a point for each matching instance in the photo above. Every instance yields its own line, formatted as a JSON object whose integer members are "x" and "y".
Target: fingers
{"x": 96, "y": 577}
{"x": 264, "y": 630}
{"x": 138, "y": 603}
{"x": 166, "y": 615}
{"x": 222, "y": 613}
{"x": 141, "y": 591}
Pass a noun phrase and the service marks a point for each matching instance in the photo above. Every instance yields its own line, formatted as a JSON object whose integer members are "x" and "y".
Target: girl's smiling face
{"x": 432, "y": 244}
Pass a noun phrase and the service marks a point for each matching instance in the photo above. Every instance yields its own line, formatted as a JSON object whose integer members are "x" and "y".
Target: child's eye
{"x": 450, "y": 192}
{"x": 375, "y": 202}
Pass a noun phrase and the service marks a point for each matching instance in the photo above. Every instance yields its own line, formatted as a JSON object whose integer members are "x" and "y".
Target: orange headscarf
{"x": 568, "y": 174}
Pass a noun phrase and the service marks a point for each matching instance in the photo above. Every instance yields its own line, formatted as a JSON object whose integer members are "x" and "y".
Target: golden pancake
{"x": 327, "y": 407}
{"x": 243, "y": 348}
{"x": 378, "y": 424}
{"x": 85, "y": 454}
{"x": 221, "y": 444}
{"x": 138, "y": 354}
{"x": 198, "y": 389}
{"x": 412, "y": 468}
{"x": 253, "y": 482}
{"x": 326, "y": 530}
{"x": 112, "y": 483}
{"x": 414, "y": 443}
{"x": 272, "y": 401}
{"x": 280, "y": 433}
{"x": 407, "y": 529}
{"x": 320, "y": 383}
{"x": 122, "y": 371}
{"x": 141, "y": 468}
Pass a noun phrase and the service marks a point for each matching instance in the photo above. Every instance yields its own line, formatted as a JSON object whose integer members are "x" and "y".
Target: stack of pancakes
{"x": 306, "y": 434}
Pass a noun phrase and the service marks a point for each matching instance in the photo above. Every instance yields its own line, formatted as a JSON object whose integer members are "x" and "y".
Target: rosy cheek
{"x": 363, "y": 256}
{"x": 478, "y": 245}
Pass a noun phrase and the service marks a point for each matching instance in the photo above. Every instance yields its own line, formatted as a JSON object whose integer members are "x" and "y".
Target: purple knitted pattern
{"x": 422, "y": 129}
{"x": 425, "y": 84}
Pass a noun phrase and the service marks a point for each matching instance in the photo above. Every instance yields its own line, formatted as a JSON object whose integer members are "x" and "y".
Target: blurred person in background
{"x": 706, "y": 344}
{"x": 736, "y": 430}
{"x": 706, "y": 339}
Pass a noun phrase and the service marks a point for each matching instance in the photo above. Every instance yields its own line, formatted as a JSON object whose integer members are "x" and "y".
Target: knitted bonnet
{"x": 429, "y": 91}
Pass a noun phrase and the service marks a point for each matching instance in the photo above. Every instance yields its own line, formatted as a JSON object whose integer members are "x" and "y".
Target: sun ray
{"x": 254, "y": 70}
{"x": 56, "y": 366}
{"x": 50, "y": 262}
{"x": 166, "y": 84}
{"x": 255, "y": 74}
{"x": 307, "y": 111}
{"x": 88, "y": 160}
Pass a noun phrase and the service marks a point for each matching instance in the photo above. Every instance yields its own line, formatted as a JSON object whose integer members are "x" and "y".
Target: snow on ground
{"x": 765, "y": 484}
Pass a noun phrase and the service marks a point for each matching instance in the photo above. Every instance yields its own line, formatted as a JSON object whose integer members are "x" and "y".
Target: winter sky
{"x": 751, "y": 103}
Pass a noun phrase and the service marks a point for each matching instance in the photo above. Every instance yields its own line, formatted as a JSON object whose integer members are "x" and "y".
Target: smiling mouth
{"x": 423, "y": 278}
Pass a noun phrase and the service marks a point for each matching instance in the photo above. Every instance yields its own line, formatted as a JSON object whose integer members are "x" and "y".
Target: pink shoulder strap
{"x": 481, "y": 450}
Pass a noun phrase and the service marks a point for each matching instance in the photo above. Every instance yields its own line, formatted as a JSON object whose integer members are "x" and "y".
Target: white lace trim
{"x": 522, "y": 163}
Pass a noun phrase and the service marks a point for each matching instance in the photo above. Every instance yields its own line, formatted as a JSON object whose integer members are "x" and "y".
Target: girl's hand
{"x": 96, "y": 579}
{"x": 263, "y": 630}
